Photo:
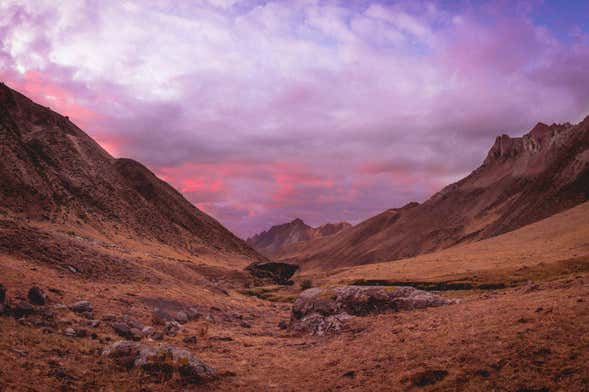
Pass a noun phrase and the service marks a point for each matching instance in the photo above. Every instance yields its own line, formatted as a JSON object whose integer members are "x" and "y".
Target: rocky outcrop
{"x": 273, "y": 241}
{"x": 161, "y": 362}
{"x": 324, "y": 310}
{"x": 279, "y": 273}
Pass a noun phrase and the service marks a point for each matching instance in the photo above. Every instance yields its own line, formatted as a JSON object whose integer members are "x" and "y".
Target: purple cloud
{"x": 260, "y": 112}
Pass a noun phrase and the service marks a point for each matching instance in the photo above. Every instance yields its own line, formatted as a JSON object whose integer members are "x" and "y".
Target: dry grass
{"x": 503, "y": 340}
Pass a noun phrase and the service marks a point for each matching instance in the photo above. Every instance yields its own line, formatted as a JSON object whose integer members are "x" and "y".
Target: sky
{"x": 263, "y": 111}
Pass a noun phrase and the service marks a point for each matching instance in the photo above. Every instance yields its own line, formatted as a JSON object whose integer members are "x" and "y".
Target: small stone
{"x": 69, "y": 332}
{"x": 87, "y": 315}
{"x": 81, "y": 307}
{"x": 283, "y": 324}
{"x": 2, "y": 309}
{"x": 94, "y": 323}
{"x": 81, "y": 333}
{"x": 2, "y": 294}
{"x": 37, "y": 296}
{"x": 181, "y": 317}
{"x": 428, "y": 377}
{"x": 22, "y": 309}
{"x": 171, "y": 328}
{"x": 109, "y": 317}
{"x": 156, "y": 335}
{"x": 221, "y": 338}
{"x": 125, "y": 331}
{"x": 350, "y": 374}
{"x": 190, "y": 339}
{"x": 160, "y": 317}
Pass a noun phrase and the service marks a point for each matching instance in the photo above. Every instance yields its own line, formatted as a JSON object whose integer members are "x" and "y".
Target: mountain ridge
{"x": 273, "y": 241}
{"x": 52, "y": 171}
{"x": 521, "y": 180}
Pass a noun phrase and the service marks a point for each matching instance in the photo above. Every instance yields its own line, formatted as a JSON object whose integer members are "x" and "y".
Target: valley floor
{"x": 530, "y": 336}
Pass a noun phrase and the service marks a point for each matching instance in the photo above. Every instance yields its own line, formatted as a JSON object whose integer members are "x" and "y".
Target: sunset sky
{"x": 263, "y": 111}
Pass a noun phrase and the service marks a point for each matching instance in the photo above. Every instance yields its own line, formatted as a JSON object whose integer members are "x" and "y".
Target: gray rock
{"x": 171, "y": 328}
{"x": 160, "y": 361}
{"x": 126, "y": 331}
{"x": 69, "y": 332}
{"x": 193, "y": 314}
{"x": 160, "y": 317}
{"x": 81, "y": 307}
{"x": 36, "y": 296}
{"x": 109, "y": 317}
{"x": 181, "y": 317}
{"x": 22, "y": 309}
{"x": 325, "y": 310}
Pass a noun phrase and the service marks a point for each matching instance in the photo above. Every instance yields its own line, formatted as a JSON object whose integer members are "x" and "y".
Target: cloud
{"x": 262, "y": 111}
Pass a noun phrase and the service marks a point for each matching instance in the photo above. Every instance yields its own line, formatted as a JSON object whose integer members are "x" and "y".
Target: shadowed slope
{"x": 521, "y": 181}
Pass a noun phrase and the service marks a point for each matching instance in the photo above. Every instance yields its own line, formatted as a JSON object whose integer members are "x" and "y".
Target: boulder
{"x": 36, "y": 296}
{"x": 279, "y": 273}
{"x": 82, "y": 307}
{"x": 22, "y": 309}
{"x": 160, "y": 361}
{"x": 126, "y": 331}
{"x": 181, "y": 317}
{"x": 160, "y": 317}
{"x": 325, "y": 310}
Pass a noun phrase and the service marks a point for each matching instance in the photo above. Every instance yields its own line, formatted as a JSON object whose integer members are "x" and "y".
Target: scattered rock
{"x": 2, "y": 294}
{"x": 245, "y": 324}
{"x": 36, "y": 296}
{"x": 530, "y": 287}
{"x": 81, "y": 307}
{"x": 181, "y": 317}
{"x": 22, "y": 309}
{"x": 160, "y": 317}
{"x": 221, "y": 338}
{"x": 190, "y": 339}
{"x": 350, "y": 374}
{"x": 2, "y": 309}
{"x": 156, "y": 335}
{"x": 193, "y": 314}
{"x": 171, "y": 328}
{"x": 69, "y": 332}
{"x": 160, "y": 361}
{"x": 278, "y": 272}
{"x": 94, "y": 323}
{"x": 109, "y": 317}
{"x": 126, "y": 331}
{"x": 283, "y": 324}
{"x": 87, "y": 315}
{"x": 317, "y": 324}
{"x": 428, "y": 377}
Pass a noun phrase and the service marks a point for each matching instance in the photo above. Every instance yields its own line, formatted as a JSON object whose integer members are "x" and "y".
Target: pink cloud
{"x": 262, "y": 112}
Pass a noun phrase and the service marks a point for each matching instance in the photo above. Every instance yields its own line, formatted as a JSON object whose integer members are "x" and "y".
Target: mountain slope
{"x": 52, "y": 171}
{"x": 278, "y": 238}
{"x": 521, "y": 181}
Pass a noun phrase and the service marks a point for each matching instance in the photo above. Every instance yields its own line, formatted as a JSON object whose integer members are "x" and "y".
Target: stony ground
{"x": 528, "y": 336}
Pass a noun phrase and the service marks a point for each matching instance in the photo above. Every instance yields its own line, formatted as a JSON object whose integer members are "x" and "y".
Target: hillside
{"x": 280, "y": 238}
{"x": 52, "y": 172}
{"x": 521, "y": 181}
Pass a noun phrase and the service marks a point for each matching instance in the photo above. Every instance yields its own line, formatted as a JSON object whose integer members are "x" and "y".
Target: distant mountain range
{"x": 521, "y": 181}
{"x": 278, "y": 238}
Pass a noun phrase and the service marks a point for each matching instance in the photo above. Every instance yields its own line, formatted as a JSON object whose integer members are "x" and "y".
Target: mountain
{"x": 51, "y": 171}
{"x": 522, "y": 180}
{"x": 278, "y": 238}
